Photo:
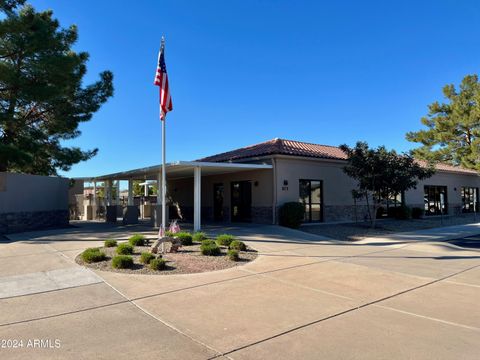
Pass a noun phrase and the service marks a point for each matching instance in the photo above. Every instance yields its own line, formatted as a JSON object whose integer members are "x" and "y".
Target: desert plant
{"x": 137, "y": 240}
{"x": 210, "y": 249}
{"x": 233, "y": 255}
{"x": 157, "y": 264}
{"x": 124, "y": 249}
{"x": 122, "y": 262}
{"x": 208, "y": 242}
{"x": 237, "y": 245}
{"x": 291, "y": 214}
{"x": 110, "y": 243}
{"x": 224, "y": 239}
{"x": 199, "y": 236}
{"x": 93, "y": 255}
{"x": 185, "y": 238}
{"x": 145, "y": 257}
{"x": 417, "y": 213}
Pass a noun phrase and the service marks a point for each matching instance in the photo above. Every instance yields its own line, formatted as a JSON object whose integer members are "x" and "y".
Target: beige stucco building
{"x": 251, "y": 183}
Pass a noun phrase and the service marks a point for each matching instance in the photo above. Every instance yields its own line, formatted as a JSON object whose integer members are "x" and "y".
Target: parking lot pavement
{"x": 304, "y": 297}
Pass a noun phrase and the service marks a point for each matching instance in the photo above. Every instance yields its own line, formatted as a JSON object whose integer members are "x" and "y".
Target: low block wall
{"x": 32, "y": 202}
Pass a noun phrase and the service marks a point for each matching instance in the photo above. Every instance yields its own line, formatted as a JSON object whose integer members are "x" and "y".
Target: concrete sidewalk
{"x": 402, "y": 296}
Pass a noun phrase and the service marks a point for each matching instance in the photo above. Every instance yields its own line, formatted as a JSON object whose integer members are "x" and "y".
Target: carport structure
{"x": 174, "y": 171}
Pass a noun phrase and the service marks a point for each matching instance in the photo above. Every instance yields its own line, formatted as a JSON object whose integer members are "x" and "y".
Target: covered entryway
{"x": 184, "y": 191}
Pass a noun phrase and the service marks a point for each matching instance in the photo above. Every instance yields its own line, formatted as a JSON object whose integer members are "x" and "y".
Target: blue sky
{"x": 243, "y": 72}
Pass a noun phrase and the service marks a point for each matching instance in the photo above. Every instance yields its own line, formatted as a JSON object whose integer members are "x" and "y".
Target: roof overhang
{"x": 178, "y": 170}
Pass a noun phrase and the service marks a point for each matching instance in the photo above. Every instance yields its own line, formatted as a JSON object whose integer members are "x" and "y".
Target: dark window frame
{"x": 430, "y": 193}
{"x": 472, "y": 199}
{"x": 308, "y": 219}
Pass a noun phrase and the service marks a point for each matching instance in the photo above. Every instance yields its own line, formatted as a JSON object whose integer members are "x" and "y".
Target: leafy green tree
{"x": 42, "y": 100}
{"x": 381, "y": 173}
{"x": 453, "y": 128}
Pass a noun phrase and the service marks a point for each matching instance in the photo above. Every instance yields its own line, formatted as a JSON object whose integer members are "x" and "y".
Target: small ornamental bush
{"x": 233, "y": 255}
{"x": 417, "y": 213}
{"x": 157, "y": 264}
{"x": 169, "y": 233}
{"x": 210, "y": 249}
{"x": 291, "y": 214}
{"x": 225, "y": 239}
{"x": 208, "y": 242}
{"x": 185, "y": 238}
{"x": 92, "y": 255}
{"x": 137, "y": 240}
{"x": 199, "y": 236}
{"x": 237, "y": 245}
{"x": 122, "y": 262}
{"x": 110, "y": 243}
{"x": 146, "y": 257}
{"x": 125, "y": 249}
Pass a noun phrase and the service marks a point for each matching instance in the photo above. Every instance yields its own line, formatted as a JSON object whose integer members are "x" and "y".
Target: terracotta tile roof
{"x": 298, "y": 148}
{"x": 279, "y": 147}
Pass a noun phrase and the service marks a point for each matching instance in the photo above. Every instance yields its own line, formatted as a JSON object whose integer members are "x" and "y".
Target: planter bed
{"x": 187, "y": 260}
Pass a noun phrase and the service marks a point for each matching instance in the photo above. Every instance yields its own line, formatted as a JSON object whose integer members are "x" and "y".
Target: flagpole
{"x": 164, "y": 178}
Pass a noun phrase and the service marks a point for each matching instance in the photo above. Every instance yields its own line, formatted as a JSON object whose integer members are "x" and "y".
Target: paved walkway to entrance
{"x": 405, "y": 296}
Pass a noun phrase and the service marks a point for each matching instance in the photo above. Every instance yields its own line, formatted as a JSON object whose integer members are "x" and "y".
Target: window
{"x": 469, "y": 199}
{"x": 311, "y": 197}
{"x": 435, "y": 198}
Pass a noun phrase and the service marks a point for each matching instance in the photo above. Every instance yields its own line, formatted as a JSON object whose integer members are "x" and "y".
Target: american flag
{"x": 161, "y": 80}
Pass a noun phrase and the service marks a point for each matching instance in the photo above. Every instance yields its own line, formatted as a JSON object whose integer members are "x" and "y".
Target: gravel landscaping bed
{"x": 361, "y": 230}
{"x": 187, "y": 260}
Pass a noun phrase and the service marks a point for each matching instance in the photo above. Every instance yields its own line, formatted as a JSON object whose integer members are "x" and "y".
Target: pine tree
{"x": 453, "y": 128}
{"x": 42, "y": 100}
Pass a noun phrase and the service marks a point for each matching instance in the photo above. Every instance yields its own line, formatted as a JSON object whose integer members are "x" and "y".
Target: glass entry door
{"x": 218, "y": 202}
{"x": 241, "y": 201}
{"x": 311, "y": 193}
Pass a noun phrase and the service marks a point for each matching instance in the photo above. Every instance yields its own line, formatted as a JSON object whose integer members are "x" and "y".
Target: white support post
{"x": 94, "y": 193}
{"x": 197, "y": 198}
{"x": 117, "y": 202}
{"x": 130, "y": 192}
{"x": 109, "y": 185}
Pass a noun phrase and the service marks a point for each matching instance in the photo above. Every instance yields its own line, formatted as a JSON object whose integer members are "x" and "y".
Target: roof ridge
{"x": 310, "y": 143}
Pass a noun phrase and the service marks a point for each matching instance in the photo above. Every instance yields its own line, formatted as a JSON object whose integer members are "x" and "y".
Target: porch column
{"x": 117, "y": 200}
{"x": 130, "y": 192}
{"x": 94, "y": 193}
{"x": 197, "y": 198}
{"x": 109, "y": 186}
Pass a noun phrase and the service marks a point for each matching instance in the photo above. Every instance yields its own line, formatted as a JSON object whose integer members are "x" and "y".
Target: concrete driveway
{"x": 408, "y": 296}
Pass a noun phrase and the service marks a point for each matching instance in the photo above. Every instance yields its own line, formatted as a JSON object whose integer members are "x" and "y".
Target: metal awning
{"x": 179, "y": 169}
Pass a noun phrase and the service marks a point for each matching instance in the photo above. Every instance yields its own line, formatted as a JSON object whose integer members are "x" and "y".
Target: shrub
{"x": 122, "y": 262}
{"x": 380, "y": 212}
{"x": 137, "y": 240}
{"x": 237, "y": 245}
{"x": 403, "y": 213}
{"x": 225, "y": 239}
{"x": 168, "y": 233}
{"x": 210, "y": 249}
{"x": 157, "y": 264}
{"x": 93, "y": 255}
{"x": 400, "y": 212}
{"x": 417, "y": 213}
{"x": 291, "y": 214}
{"x": 110, "y": 243}
{"x": 208, "y": 242}
{"x": 125, "y": 249}
{"x": 146, "y": 257}
{"x": 199, "y": 236}
{"x": 185, "y": 238}
{"x": 233, "y": 255}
